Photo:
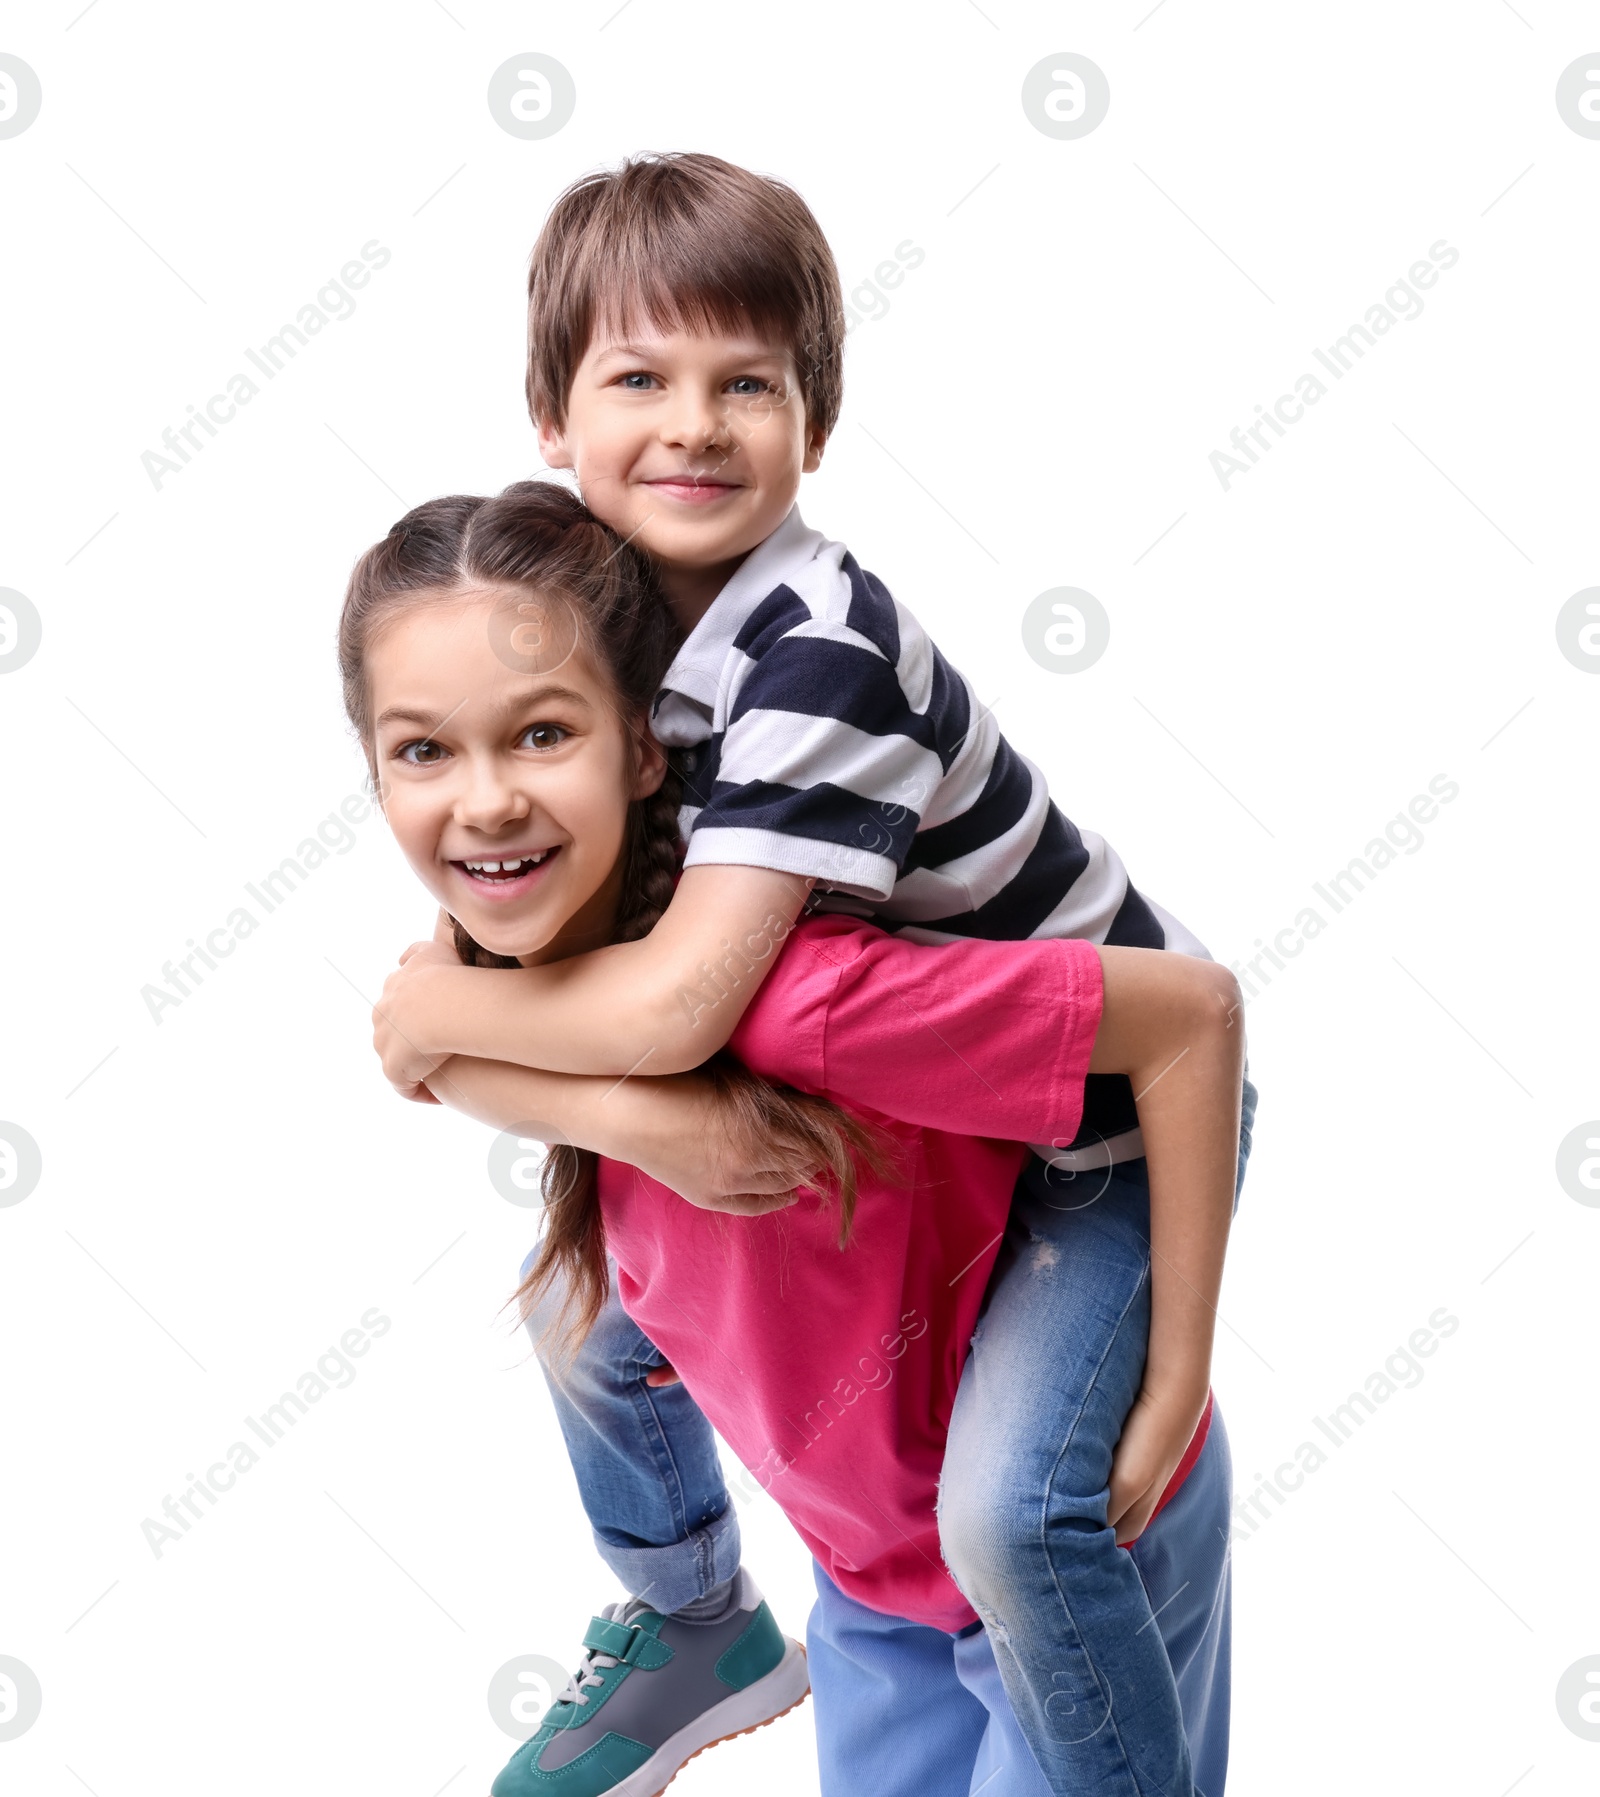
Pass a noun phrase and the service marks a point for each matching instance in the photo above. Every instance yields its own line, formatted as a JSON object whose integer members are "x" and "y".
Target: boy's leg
{"x": 1185, "y": 1561}
{"x": 645, "y": 1460}
{"x": 651, "y": 1482}
{"x": 893, "y": 1719}
{"x": 1055, "y": 1365}
{"x": 622, "y": 1726}
{"x": 1025, "y": 1487}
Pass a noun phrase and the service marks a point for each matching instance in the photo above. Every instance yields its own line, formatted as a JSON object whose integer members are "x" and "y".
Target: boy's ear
{"x": 553, "y": 445}
{"x": 816, "y": 442}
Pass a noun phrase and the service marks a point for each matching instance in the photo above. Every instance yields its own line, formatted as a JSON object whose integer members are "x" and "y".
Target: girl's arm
{"x": 663, "y": 1004}
{"x": 674, "y": 1129}
{"x": 1174, "y": 1026}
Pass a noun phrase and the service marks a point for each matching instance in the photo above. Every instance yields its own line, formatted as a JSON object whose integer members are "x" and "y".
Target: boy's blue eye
{"x": 747, "y": 383}
{"x": 545, "y": 736}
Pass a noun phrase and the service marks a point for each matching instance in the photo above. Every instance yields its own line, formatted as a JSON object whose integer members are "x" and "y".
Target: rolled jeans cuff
{"x": 667, "y": 1578}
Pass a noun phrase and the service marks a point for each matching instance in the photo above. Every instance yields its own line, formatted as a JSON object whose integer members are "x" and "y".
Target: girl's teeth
{"x": 508, "y": 867}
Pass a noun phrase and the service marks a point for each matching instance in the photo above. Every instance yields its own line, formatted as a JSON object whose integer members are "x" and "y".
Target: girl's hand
{"x": 1158, "y": 1430}
{"x": 401, "y": 1019}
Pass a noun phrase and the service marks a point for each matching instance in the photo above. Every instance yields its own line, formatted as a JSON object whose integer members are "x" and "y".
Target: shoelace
{"x": 587, "y": 1677}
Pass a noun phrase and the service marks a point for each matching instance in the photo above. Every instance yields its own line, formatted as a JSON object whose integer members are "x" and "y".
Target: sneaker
{"x": 652, "y": 1693}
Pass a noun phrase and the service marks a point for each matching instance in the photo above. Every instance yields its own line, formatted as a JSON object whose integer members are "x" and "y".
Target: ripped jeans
{"x": 1056, "y": 1362}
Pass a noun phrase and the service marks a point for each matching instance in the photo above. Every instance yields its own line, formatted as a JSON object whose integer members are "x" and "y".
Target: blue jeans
{"x": 645, "y": 1459}
{"x": 903, "y": 1710}
{"x": 1022, "y": 1501}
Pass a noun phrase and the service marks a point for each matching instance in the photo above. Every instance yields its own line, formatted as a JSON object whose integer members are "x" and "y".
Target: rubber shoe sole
{"x": 783, "y": 1689}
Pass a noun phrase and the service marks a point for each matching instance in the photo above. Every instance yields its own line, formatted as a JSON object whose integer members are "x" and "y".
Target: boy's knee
{"x": 992, "y": 1542}
{"x": 612, "y": 1353}
{"x": 989, "y": 1542}
{"x": 967, "y": 1541}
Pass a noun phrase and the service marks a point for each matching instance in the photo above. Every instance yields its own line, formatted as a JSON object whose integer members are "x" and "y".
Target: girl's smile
{"x": 510, "y": 877}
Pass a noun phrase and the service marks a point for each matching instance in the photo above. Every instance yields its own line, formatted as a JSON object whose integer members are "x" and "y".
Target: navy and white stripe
{"x": 823, "y": 734}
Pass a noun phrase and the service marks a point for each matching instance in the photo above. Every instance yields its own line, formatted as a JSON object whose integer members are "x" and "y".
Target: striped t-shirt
{"x": 820, "y": 732}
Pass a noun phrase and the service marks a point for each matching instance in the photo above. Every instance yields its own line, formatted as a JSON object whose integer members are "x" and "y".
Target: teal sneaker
{"x": 652, "y": 1693}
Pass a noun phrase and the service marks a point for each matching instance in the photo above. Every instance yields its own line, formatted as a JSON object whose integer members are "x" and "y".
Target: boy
{"x": 685, "y": 363}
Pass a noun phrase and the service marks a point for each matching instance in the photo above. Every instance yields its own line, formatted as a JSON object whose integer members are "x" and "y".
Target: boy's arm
{"x": 673, "y": 1129}
{"x": 660, "y": 1005}
{"x": 1173, "y": 1025}
{"x": 667, "y": 1002}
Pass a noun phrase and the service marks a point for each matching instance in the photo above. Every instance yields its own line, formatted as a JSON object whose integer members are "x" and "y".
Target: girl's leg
{"x": 645, "y": 1460}
{"x": 1005, "y": 1766}
{"x": 1185, "y": 1561}
{"x": 893, "y": 1719}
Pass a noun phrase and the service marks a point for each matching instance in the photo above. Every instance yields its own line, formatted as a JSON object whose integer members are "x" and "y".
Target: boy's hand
{"x": 1158, "y": 1430}
{"x": 698, "y": 1150}
{"x": 402, "y": 1027}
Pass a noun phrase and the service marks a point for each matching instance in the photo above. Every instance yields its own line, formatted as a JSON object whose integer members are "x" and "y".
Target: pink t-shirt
{"x": 832, "y": 1373}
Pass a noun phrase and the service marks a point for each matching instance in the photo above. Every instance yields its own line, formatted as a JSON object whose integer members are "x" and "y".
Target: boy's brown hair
{"x": 690, "y": 242}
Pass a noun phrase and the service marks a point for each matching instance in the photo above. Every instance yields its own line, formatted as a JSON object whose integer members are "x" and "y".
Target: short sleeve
{"x": 971, "y": 1038}
{"x": 823, "y": 768}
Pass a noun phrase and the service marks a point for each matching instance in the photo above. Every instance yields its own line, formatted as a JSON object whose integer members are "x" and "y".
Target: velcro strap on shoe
{"x": 614, "y": 1638}
{"x": 647, "y": 1653}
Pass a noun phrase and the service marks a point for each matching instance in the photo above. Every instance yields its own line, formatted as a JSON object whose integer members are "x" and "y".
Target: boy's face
{"x": 691, "y": 446}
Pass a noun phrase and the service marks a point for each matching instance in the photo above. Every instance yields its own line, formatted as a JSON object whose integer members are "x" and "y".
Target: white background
{"x": 1373, "y": 605}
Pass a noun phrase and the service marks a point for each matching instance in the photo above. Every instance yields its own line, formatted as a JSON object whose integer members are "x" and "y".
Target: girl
{"x": 499, "y": 658}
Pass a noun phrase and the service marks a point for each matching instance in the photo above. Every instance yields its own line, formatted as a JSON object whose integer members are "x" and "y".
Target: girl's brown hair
{"x": 539, "y": 538}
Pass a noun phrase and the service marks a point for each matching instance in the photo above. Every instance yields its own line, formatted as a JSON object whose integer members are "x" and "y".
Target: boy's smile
{"x": 690, "y": 445}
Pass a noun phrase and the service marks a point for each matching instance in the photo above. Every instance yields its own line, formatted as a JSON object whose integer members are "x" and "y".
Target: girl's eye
{"x": 638, "y": 381}
{"x": 545, "y": 736}
{"x": 420, "y": 754}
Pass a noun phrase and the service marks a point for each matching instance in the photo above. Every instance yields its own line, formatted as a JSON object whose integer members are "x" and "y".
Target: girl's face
{"x": 505, "y": 768}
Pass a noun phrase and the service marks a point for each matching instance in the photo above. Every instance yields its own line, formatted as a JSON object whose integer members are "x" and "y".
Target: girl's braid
{"x": 655, "y": 854}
